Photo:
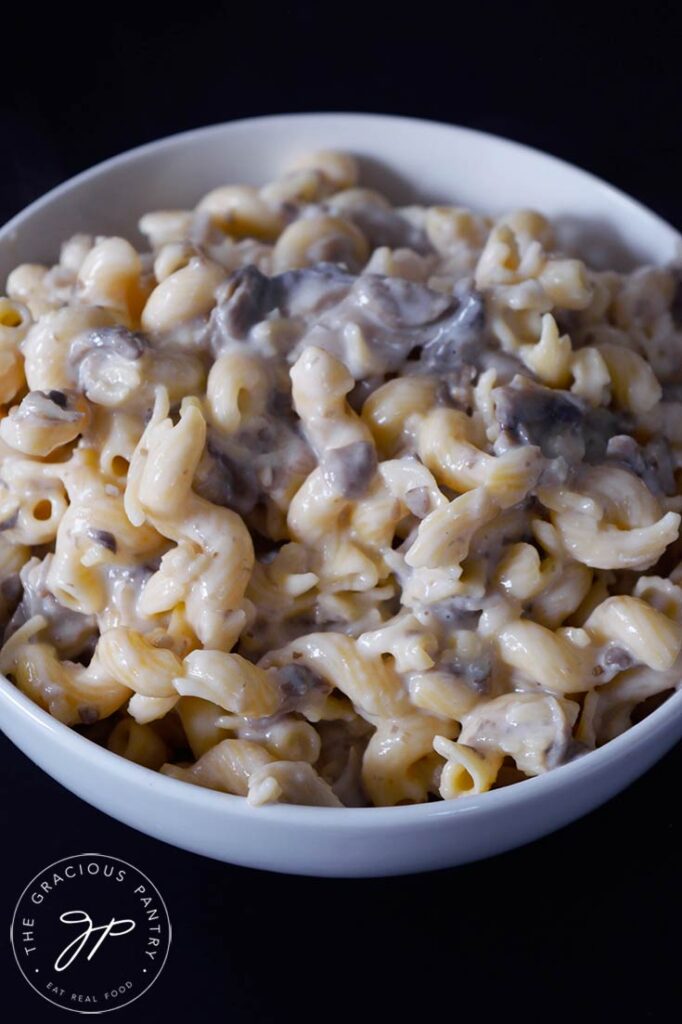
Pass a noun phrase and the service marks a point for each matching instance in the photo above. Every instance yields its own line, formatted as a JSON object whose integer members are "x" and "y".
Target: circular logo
{"x": 90, "y": 933}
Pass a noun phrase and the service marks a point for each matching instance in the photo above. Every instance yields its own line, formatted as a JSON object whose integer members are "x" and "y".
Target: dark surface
{"x": 582, "y": 925}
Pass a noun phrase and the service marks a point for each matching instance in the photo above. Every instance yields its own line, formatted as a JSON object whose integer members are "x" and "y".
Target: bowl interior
{"x": 409, "y": 160}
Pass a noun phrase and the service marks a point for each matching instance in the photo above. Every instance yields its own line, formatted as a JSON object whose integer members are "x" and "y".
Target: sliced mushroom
{"x": 653, "y": 462}
{"x": 298, "y": 683}
{"x": 45, "y": 420}
{"x": 554, "y": 420}
{"x": 395, "y": 317}
{"x": 350, "y": 469}
{"x": 104, "y": 538}
{"x": 458, "y": 338}
{"x": 399, "y": 303}
{"x": 612, "y": 660}
{"x": 71, "y": 632}
{"x": 267, "y": 459}
{"x": 311, "y": 290}
{"x": 106, "y": 363}
{"x": 226, "y": 480}
{"x": 117, "y": 340}
{"x": 546, "y": 417}
{"x": 249, "y": 301}
{"x": 251, "y": 297}
{"x": 476, "y": 672}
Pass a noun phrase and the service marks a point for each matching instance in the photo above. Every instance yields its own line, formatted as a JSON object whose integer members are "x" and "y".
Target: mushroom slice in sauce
{"x": 249, "y": 300}
{"x": 653, "y": 462}
{"x": 264, "y": 460}
{"x": 299, "y": 685}
{"x": 458, "y": 338}
{"x": 225, "y": 479}
{"x": 117, "y": 340}
{"x": 104, "y": 538}
{"x": 558, "y": 422}
{"x": 69, "y": 631}
{"x": 546, "y": 417}
{"x": 105, "y": 362}
{"x": 45, "y": 420}
{"x": 476, "y": 672}
{"x": 252, "y": 297}
{"x": 395, "y": 316}
{"x": 349, "y": 470}
{"x": 399, "y": 303}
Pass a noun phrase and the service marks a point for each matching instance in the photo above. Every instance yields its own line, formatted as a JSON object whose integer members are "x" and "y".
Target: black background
{"x": 582, "y": 925}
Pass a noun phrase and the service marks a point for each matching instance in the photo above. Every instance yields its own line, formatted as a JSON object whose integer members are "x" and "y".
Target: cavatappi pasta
{"x": 321, "y": 501}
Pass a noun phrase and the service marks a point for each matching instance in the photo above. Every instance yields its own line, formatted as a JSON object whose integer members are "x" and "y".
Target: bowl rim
{"x": 167, "y": 142}
{"x": 213, "y": 802}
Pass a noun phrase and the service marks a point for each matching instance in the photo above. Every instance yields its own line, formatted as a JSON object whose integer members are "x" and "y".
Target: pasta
{"x": 322, "y": 501}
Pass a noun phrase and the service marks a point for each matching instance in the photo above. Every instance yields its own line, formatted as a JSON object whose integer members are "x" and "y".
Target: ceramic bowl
{"x": 410, "y": 160}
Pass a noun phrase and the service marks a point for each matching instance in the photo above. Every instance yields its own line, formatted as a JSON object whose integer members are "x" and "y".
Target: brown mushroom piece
{"x": 310, "y": 290}
{"x": 546, "y": 417}
{"x": 10, "y": 594}
{"x": 558, "y": 422}
{"x": 252, "y": 296}
{"x": 458, "y": 337}
{"x": 349, "y": 470}
{"x": 226, "y": 480}
{"x": 103, "y": 357}
{"x": 240, "y": 470}
{"x": 475, "y": 672}
{"x": 69, "y": 631}
{"x": 44, "y": 421}
{"x": 248, "y": 301}
{"x": 398, "y": 303}
{"x": 612, "y": 660}
{"x": 652, "y": 462}
{"x": 397, "y": 316}
{"x": 104, "y": 538}
{"x": 297, "y": 683}
{"x": 118, "y": 340}
{"x": 403, "y": 320}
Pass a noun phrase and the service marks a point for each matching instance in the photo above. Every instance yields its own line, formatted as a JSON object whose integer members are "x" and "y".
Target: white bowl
{"x": 410, "y": 159}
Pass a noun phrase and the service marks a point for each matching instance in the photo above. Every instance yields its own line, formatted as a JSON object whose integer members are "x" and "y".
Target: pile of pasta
{"x": 325, "y": 502}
